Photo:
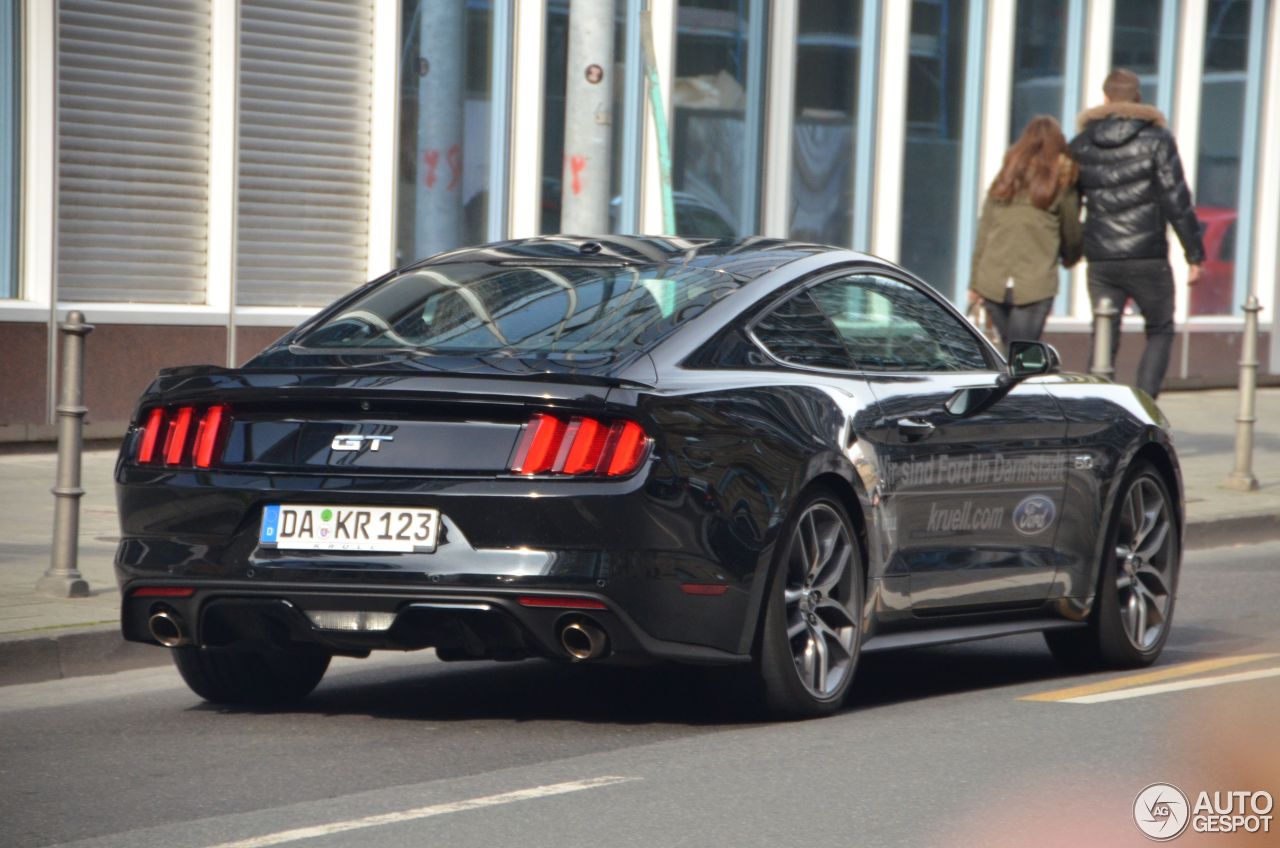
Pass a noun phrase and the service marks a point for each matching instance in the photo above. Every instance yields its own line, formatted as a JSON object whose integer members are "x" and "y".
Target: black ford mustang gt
{"x": 755, "y": 452}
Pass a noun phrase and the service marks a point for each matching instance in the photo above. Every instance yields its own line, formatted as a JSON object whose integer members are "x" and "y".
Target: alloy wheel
{"x": 821, "y": 629}
{"x": 1144, "y": 563}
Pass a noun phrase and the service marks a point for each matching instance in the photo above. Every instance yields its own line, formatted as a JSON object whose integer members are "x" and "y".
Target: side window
{"x": 800, "y": 333}
{"x": 887, "y": 325}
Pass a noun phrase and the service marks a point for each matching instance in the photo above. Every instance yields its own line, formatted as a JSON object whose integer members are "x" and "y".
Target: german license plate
{"x": 303, "y": 527}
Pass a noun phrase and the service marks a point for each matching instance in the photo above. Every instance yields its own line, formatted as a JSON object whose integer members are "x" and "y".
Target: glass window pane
{"x": 711, "y": 173}
{"x": 1217, "y": 193}
{"x": 488, "y": 308}
{"x": 1135, "y": 43}
{"x": 798, "y": 332}
{"x": 1038, "y": 56}
{"x": 827, "y": 53}
{"x": 445, "y": 95}
{"x": 887, "y": 325}
{"x": 935, "y": 118}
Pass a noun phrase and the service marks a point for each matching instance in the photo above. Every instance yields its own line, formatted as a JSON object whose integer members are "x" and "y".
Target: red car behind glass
{"x": 1214, "y": 294}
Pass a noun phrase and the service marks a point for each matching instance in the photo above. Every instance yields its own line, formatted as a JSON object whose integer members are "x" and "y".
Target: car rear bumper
{"x": 460, "y": 624}
{"x": 679, "y": 570}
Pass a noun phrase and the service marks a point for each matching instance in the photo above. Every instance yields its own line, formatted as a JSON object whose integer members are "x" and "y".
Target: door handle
{"x": 914, "y": 429}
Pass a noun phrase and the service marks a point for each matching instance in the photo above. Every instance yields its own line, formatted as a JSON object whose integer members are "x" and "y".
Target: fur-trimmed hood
{"x": 1134, "y": 111}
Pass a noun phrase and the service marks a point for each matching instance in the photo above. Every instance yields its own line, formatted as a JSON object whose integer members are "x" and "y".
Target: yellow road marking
{"x": 1167, "y": 673}
{"x": 1176, "y": 686}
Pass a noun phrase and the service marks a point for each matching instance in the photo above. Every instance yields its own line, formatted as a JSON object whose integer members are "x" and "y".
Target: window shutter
{"x": 305, "y": 79}
{"x": 133, "y": 155}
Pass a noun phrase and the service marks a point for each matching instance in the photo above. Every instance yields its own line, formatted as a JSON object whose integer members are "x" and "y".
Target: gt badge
{"x": 1034, "y": 515}
{"x": 353, "y": 441}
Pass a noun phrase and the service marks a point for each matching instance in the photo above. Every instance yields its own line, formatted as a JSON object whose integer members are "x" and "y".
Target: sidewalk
{"x": 44, "y": 638}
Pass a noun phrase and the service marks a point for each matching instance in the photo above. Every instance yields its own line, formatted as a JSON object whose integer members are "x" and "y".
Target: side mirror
{"x": 1027, "y": 359}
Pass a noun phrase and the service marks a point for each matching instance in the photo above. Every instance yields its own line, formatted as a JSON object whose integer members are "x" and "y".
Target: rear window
{"x": 483, "y": 308}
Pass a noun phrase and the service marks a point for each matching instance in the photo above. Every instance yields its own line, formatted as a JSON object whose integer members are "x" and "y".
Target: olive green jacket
{"x": 1019, "y": 242}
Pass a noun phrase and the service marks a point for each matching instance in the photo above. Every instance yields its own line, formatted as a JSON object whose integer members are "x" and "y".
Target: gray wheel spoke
{"x": 1150, "y": 517}
{"x": 1141, "y": 627}
{"x": 1139, "y": 515}
{"x": 832, "y": 571}
{"x": 1132, "y": 607}
{"x": 812, "y": 545}
{"x": 1132, "y": 515}
{"x": 827, "y": 543}
{"x": 1153, "y": 540}
{"x": 807, "y": 661}
{"x": 833, "y": 612}
{"x": 1155, "y": 611}
{"x": 792, "y": 595}
{"x": 832, "y": 639}
{"x": 800, "y": 551}
{"x": 1124, "y": 581}
{"x": 1152, "y": 580}
{"x": 797, "y": 626}
{"x": 820, "y": 661}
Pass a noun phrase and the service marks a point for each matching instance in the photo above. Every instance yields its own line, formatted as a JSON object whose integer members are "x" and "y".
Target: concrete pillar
{"x": 441, "y": 100}
{"x": 588, "y": 119}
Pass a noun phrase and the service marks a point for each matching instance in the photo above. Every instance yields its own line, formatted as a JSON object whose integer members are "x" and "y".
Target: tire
{"x": 1137, "y": 582}
{"x": 250, "y": 677}
{"x": 811, "y": 632}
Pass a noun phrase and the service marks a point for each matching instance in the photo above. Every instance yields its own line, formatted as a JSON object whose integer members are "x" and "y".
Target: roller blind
{"x": 133, "y": 150}
{"x": 303, "y": 204}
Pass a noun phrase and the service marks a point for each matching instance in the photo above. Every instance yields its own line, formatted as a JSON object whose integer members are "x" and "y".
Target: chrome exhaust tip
{"x": 583, "y": 640}
{"x": 166, "y": 628}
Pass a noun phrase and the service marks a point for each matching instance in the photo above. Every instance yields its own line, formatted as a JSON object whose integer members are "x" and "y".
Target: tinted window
{"x": 799, "y": 332}
{"x": 886, "y": 325}
{"x": 481, "y": 308}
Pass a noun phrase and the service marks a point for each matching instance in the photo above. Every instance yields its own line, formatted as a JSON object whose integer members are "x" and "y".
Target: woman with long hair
{"x": 1030, "y": 222}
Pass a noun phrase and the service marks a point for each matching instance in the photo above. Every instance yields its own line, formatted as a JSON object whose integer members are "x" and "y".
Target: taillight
{"x": 579, "y": 446}
{"x": 150, "y": 435}
{"x": 207, "y": 435}
{"x": 187, "y": 435}
{"x": 175, "y": 444}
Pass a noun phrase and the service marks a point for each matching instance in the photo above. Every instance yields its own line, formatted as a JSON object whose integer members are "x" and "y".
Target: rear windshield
{"x": 483, "y": 308}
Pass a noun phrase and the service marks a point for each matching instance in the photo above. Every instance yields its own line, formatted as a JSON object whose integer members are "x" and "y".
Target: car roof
{"x": 743, "y": 258}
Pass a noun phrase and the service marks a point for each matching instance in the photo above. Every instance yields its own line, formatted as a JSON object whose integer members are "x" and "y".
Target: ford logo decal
{"x": 1034, "y": 515}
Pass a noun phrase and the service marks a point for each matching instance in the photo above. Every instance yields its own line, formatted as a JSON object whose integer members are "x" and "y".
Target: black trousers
{"x": 1019, "y": 323}
{"x": 1149, "y": 283}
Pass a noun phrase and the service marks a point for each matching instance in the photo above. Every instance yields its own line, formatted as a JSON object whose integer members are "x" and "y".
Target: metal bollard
{"x": 63, "y": 579}
{"x": 1102, "y": 364}
{"x": 1242, "y": 478}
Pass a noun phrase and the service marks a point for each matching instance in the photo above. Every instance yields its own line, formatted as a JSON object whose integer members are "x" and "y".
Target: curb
{"x": 1236, "y": 530}
{"x": 76, "y": 652}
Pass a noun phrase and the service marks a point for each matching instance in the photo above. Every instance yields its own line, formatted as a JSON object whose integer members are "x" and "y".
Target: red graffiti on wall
{"x": 455, "y": 166}
{"x": 576, "y": 166}
{"x": 453, "y": 157}
{"x": 432, "y": 158}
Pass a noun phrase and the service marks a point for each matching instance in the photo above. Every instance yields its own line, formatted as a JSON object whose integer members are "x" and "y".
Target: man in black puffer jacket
{"x": 1133, "y": 188}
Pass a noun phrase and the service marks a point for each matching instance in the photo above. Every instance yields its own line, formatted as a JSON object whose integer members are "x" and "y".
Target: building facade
{"x": 196, "y": 176}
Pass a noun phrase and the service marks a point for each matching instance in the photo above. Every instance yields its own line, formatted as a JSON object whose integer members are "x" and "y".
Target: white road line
{"x": 1176, "y": 686}
{"x": 422, "y": 812}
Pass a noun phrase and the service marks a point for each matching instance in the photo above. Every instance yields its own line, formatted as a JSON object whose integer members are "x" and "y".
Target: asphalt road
{"x": 937, "y": 748}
